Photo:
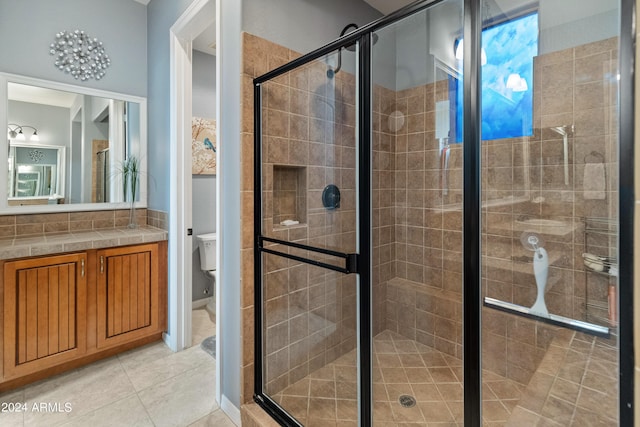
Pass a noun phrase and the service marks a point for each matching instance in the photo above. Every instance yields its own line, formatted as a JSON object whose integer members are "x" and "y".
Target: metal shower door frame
{"x": 472, "y": 302}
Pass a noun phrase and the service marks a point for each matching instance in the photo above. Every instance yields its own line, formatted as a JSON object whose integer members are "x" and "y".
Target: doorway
{"x": 182, "y": 34}
{"x": 187, "y": 28}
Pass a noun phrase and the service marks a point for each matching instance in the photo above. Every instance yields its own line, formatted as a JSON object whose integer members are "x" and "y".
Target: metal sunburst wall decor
{"x": 80, "y": 55}
{"x": 36, "y": 156}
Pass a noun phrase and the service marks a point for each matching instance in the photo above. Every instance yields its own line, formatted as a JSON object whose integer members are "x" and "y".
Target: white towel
{"x": 594, "y": 181}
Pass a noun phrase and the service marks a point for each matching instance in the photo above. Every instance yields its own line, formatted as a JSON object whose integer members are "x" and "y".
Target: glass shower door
{"x": 417, "y": 219}
{"x": 308, "y": 240}
{"x": 550, "y": 213}
{"x": 373, "y": 305}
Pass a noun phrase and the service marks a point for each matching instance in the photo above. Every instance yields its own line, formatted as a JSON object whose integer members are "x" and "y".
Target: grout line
{"x": 146, "y": 410}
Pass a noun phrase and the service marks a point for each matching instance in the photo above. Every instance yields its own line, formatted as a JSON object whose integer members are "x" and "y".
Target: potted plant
{"x": 130, "y": 178}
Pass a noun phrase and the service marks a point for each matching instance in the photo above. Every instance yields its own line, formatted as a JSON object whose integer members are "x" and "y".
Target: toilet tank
{"x": 207, "y": 246}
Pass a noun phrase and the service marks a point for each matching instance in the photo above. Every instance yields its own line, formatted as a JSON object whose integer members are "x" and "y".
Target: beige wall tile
{"x": 410, "y": 229}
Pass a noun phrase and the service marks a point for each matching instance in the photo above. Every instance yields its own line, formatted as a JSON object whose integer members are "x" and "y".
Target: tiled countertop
{"x": 20, "y": 246}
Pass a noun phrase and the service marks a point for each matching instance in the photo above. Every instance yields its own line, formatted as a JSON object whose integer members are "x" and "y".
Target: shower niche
{"x": 289, "y": 196}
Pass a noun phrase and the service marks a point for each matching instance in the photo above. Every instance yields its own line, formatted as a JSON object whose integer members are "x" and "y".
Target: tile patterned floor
{"x": 327, "y": 397}
{"x": 576, "y": 384}
{"x": 147, "y": 386}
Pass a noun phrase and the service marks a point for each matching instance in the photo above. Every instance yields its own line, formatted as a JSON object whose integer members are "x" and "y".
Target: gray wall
{"x": 161, "y": 15}
{"x": 303, "y": 25}
{"x": 75, "y": 195}
{"x": 133, "y": 129}
{"x": 204, "y": 85}
{"x": 576, "y": 32}
{"x": 52, "y": 122}
{"x": 92, "y": 130}
{"x": 28, "y": 27}
{"x": 203, "y": 186}
{"x": 425, "y": 38}
{"x": 563, "y": 24}
{"x": 414, "y": 61}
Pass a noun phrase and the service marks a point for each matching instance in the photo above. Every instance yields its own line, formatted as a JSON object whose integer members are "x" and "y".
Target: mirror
{"x": 35, "y": 174}
{"x": 67, "y": 145}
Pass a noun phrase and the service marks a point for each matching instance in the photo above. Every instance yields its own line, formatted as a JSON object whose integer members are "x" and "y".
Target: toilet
{"x": 207, "y": 248}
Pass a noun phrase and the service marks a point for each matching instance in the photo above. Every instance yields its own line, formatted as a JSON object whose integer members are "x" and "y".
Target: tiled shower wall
{"x": 308, "y": 139}
{"x": 417, "y": 235}
{"x": 522, "y": 178}
{"x": 383, "y": 202}
{"x": 575, "y": 89}
{"x": 424, "y": 302}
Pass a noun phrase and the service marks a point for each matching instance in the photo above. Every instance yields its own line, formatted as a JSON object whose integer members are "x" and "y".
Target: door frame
{"x": 193, "y": 20}
{"x": 180, "y": 209}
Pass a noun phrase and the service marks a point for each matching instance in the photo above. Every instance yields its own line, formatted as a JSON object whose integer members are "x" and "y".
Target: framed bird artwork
{"x": 203, "y": 146}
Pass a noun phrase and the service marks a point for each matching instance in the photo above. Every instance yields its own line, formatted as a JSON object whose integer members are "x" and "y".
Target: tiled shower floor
{"x": 575, "y": 385}
{"x": 327, "y": 397}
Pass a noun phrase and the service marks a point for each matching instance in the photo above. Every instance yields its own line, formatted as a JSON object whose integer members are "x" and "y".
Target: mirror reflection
{"x": 68, "y": 148}
{"x": 35, "y": 174}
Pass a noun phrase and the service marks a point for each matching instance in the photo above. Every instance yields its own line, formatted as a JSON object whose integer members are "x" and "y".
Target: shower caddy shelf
{"x": 593, "y": 324}
{"x": 601, "y": 227}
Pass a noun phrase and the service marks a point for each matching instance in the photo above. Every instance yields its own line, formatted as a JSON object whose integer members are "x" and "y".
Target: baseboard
{"x": 169, "y": 341}
{"x": 231, "y": 410}
{"x": 199, "y": 303}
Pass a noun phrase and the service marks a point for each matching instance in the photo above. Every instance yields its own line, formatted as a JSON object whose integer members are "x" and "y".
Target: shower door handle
{"x": 352, "y": 263}
{"x": 350, "y": 260}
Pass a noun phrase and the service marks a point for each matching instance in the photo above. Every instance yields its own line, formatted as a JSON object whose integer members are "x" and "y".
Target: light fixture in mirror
{"x": 92, "y": 132}
{"x": 15, "y": 132}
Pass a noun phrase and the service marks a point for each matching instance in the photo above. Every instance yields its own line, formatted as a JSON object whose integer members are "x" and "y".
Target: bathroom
{"x": 536, "y": 368}
{"x": 547, "y": 196}
{"x": 203, "y": 188}
{"x": 116, "y": 233}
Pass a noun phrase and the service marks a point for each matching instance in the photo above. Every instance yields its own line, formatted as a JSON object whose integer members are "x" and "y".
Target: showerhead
{"x": 563, "y": 130}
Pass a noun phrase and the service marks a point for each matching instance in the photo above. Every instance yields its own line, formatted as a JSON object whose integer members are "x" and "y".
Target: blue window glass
{"x": 507, "y": 80}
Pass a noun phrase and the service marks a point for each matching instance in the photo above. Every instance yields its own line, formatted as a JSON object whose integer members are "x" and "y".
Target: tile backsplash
{"x": 68, "y": 222}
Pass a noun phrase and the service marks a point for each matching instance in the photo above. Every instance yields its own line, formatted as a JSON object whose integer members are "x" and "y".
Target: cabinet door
{"x": 44, "y": 312}
{"x": 128, "y": 294}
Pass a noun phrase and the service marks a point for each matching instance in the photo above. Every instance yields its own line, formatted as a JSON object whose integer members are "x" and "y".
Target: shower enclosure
{"x": 102, "y": 176}
{"x": 438, "y": 199}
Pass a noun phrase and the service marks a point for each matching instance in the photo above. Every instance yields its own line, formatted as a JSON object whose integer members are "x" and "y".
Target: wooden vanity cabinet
{"x": 44, "y": 312}
{"x": 128, "y": 297}
{"x": 63, "y": 311}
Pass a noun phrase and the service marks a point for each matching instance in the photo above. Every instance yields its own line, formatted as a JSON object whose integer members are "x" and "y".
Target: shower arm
{"x": 339, "y": 65}
{"x": 342, "y": 33}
